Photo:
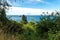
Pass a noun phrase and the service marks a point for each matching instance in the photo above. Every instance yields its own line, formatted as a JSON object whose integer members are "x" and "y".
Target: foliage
{"x": 24, "y": 19}
{"x": 4, "y": 4}
{"x": 48, "y": 28}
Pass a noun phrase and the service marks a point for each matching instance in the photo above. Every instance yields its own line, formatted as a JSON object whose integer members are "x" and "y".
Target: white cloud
{"x": 25, "y": 11}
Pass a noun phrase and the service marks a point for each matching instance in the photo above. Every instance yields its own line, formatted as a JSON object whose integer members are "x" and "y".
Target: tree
{"x": 4, "y": 4}
{"x": 3, "y": 17}
{"x": 24, "y": 19}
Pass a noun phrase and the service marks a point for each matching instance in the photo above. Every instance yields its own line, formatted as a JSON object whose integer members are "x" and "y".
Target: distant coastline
{"x": 29, "y": 17}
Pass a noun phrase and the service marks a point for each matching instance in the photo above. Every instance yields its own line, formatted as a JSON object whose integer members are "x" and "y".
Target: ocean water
{"x": 29, "y": 17}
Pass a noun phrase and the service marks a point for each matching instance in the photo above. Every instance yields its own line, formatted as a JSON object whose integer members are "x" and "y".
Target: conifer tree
{"x": 24, "y": 19}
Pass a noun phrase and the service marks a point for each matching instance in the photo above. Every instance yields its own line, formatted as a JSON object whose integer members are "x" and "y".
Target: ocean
{"x": 29, "y": 17}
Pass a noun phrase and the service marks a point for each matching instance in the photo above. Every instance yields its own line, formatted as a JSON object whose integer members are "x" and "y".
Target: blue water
{"x": 29, "y": 17}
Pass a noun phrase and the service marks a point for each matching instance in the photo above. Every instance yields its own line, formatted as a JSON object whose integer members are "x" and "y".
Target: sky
{"x": 32, "y": 7}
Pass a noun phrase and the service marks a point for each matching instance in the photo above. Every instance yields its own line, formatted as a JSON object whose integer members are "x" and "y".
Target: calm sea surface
{"x": 29, "y": 17}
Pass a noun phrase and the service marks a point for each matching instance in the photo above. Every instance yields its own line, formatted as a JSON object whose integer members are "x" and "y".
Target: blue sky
{"x": 43, "y": 4}
{"x": 36, "y": 4}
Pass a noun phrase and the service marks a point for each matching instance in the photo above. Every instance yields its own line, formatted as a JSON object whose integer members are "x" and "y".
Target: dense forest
{"x": 48, "y": 28}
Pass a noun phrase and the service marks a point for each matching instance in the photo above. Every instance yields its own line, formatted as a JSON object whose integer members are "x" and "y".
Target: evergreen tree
{"x": 3, "y": 17}
{"x": 24, "y": 19}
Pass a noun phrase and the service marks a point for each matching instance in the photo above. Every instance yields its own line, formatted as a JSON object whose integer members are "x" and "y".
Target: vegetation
{"x": 24, "y": 19}
{"x": 48, "y": 28}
